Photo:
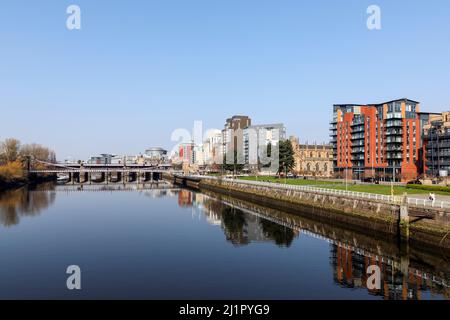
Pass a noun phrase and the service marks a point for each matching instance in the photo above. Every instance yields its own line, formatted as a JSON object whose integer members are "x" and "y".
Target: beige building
{"x": 312, "y": 160}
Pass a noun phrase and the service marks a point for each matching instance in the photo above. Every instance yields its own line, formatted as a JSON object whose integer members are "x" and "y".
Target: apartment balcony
{"x": 436, "y": 163}
{"x": 435, "y": 137}
{"x": 394, "y": 140}
{"x": 357, "y": 137}
{"x": 394, "y": 115}
{"x": 394, "y": 156}
{"x": 441, "y": 145}
{"x": 358, "y": 143}
{"x": 393, "y": 132}
{"x": 394, "y": 124}
{"x": 358, "y": 129}
{"x": 358, "y": 150}
{"x": 357, "y": 123}
{"x": 358, "y": 164}
{"x": 440, "y": 155}
{"x": 394, "y": 148}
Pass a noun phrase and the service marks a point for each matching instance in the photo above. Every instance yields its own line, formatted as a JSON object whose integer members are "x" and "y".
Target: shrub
{"x": 428, "y": 188}
{"x": 11, "y": 171}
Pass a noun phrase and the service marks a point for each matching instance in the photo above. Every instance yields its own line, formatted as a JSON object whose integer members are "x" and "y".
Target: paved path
{"x": 425, "y": 196}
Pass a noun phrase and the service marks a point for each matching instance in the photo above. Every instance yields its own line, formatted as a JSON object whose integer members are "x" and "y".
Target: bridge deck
{"x": 102, "y": 170}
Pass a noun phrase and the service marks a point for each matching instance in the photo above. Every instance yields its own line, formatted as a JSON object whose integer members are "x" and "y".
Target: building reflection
{"x": 240, "y": 228}
{"x": 185, "y": 198}
{"x": 24, "y": 202}
{"x": 399, "y": 280}
{"x": 350, "y": 271}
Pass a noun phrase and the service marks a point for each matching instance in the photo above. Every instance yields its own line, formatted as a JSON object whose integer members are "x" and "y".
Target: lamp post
{"x": 346, "y": 178}
{"x": 393, "y": 179}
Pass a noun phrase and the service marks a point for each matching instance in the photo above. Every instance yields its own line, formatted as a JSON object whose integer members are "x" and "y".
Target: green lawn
{"x": 375, "y": 188}
{"x": 297, "y": 182}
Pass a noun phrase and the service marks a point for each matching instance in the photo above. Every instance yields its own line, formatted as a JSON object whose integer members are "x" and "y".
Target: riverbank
{"x": 373, "y": 245}
{"x": 423, "y": 227}
{"x": 10, "y": 185}
{"x": 384, "y": 189}
{"x": 22, "y": 182}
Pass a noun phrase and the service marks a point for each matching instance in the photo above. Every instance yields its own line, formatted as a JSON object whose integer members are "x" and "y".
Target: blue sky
{"x": 137, "y": 70}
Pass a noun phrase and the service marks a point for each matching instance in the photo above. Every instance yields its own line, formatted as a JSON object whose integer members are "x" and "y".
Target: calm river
{"x": 160, "y": 242}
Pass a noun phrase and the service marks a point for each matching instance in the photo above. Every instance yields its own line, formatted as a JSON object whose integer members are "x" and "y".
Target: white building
{"x": 256, "y": 140}
{"x": 156, "y": 154}
{"x": 212, "y": 148}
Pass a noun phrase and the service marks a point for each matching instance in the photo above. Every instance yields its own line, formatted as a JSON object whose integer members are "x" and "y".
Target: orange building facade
{"x": 381, "y": 141}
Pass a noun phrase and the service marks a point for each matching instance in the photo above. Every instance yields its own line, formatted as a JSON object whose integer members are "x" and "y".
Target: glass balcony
{"x": 394, "y": 123}
{"x": 394, "y": 140}
{"x": 394, "y": 132}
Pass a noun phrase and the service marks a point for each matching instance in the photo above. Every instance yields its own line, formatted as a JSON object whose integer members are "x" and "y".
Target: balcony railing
{"x": 394, "y": 123}
{"x": 394, "y": 156}
{"x": 358, "y": 129}
{"x": 394, "y": 140}
{"x": 343, "y": 193}
{"x": 357, "y": 123}
{"x": 393, "y": 132}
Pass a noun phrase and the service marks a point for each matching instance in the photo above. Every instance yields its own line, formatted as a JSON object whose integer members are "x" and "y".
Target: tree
{"x": 38, "y": 152}
{"x": 235, "y": 166}
{"x": 287, "y": 160}
{"x": 9, "y": 150}
{"x": 11, "y": 171}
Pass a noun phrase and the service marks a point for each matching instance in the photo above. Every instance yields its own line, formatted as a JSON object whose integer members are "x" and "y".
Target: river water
{"x": 161, "y": 242}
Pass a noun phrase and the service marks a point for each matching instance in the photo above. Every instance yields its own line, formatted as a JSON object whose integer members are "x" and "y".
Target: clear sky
{"x": 137, "y": 70}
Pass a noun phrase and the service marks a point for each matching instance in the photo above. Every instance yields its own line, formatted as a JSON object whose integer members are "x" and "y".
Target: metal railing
{"x": 337, "y": 192}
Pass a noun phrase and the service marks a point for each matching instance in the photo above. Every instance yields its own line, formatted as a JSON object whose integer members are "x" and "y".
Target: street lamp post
{"x": 346, "y": 178}
{"x": 393, "y": 179}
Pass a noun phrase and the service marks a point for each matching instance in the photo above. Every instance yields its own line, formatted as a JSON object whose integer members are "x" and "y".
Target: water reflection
{"x": 340, "y": 261}
{"x": 398, "y": 280}
{"x": 403, "y": 276}
{"x": 24, "y": 202}
{"x": 240, "y": 227}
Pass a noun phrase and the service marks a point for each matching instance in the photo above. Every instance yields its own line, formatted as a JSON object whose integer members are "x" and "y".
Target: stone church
{"x": 315, "y": 160}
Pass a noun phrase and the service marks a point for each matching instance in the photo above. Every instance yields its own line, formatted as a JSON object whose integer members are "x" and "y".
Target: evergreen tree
{"x": 287, "y": 160}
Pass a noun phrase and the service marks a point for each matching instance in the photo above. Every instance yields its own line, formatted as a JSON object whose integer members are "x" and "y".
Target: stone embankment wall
{"x": 363, "y": 214}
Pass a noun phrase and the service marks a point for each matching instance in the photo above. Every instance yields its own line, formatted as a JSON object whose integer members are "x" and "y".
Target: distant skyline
{"x": 138, "y": 70}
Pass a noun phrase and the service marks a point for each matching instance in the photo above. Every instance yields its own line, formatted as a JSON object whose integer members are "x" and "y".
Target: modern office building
{"x": 377, "y": 140}
{"x": 212, "y": 147}
{"x": 104, "y": 158}
{"x": 186, "y": 153}
{"x": 156, "y": 153}
{"x": 232, "y": 134}
{"x": 260, "y": 136}
{"x": 436, "y": 145}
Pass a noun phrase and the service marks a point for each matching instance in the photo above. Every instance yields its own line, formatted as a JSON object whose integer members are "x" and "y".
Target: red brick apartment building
{"x": 378, "y": 140}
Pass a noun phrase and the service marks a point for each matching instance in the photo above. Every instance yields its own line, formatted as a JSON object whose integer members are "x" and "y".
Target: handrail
{"x": 353, "y": 194}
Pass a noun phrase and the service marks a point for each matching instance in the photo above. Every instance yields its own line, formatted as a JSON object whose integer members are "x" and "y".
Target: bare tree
{"x": 38, "y": 152}
{"x": 9, "y": 150}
